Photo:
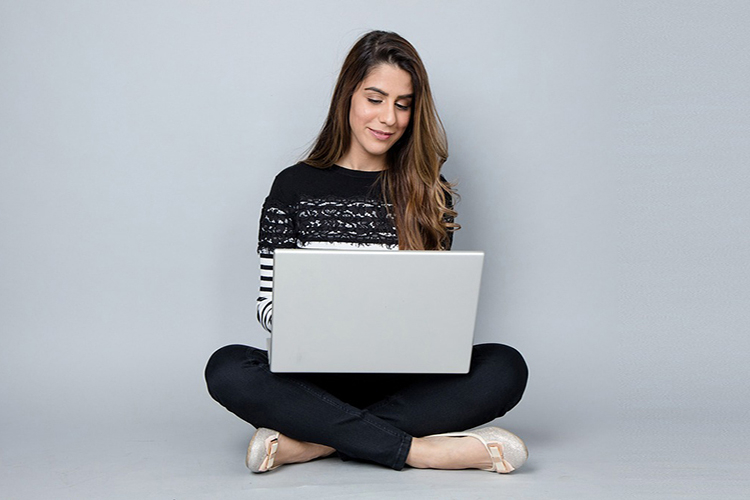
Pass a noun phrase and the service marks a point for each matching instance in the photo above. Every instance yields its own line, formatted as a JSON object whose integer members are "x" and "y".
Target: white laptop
{"x": 374, "y": 311}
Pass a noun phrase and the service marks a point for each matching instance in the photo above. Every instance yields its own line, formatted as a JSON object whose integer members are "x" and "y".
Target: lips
{"x": 380, "y": 135}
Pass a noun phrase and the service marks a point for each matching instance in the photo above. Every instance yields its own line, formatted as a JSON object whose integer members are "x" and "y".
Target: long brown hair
{"x": 412, "y": 182}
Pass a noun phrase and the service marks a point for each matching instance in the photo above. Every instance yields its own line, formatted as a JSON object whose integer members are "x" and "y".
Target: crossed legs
{"x": 377, "y": 418}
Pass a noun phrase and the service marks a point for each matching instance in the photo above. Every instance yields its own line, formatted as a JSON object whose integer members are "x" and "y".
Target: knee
{"x": 223, "y": 370}
{"x": 503, "y": 366}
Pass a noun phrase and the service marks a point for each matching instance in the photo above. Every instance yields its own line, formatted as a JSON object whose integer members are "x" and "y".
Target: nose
{"x": 388, "y": 116}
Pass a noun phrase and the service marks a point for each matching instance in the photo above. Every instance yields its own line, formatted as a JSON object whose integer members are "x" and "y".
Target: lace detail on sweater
{"x": 352, "y": 220}
{"x": 276, "y": 226}
{"x": 357, "y": 220}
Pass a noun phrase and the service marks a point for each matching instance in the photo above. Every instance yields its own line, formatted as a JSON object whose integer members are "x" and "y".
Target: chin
{"x": 380, "y": 149}
{"x": 378, "y": 152}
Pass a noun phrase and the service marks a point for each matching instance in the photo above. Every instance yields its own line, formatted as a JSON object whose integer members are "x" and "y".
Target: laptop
{"x": 374, "y": 311}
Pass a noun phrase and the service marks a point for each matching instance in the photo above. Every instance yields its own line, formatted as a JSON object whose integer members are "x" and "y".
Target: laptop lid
{"x": 374, "y": 311}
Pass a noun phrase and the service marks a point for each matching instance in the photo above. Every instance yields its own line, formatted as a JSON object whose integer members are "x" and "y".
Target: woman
{"x": 372, "y": 179}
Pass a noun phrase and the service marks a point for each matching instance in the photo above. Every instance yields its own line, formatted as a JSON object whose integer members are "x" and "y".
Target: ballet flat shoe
{"x": 262, "y": 450}
{"x": 507, "y": 451}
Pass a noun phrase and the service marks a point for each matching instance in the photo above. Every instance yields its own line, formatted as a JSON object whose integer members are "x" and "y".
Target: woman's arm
{"x": 264, "y": 304}
{"x": 276, "y": 230}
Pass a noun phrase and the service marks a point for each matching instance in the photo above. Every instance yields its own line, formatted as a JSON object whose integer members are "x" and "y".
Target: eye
{"x": 374, "y": 101}
{"x": 403, "y": 107}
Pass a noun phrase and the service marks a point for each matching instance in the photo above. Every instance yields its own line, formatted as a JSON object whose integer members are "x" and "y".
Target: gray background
{"x": 601, "y": 152}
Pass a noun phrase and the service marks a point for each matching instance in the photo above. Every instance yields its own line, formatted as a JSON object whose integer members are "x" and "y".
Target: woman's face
{"x": 380, "y": 112}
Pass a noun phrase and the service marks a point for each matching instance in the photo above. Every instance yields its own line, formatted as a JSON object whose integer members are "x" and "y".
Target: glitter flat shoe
{"x": 507, "y": 451}
{"x": 262, "y": 450}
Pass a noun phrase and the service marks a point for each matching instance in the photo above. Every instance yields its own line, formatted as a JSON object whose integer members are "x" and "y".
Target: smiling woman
{"x": 380, "y": 112}
{"x": 371, "y": 180}
{"x": 410, "y": 179}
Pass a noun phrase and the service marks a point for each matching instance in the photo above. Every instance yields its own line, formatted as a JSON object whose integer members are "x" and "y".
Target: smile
{"x": 382, "y": 136}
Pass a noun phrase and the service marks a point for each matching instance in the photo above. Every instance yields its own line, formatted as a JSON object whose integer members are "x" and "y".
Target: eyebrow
{"x": 384, "y": 93}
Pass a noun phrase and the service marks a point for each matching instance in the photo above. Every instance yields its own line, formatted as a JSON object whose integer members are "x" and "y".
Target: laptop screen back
{"x": 370, "y": 311}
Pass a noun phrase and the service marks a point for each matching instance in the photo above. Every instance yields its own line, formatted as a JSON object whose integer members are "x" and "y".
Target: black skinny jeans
{"x": 369, "y": 417}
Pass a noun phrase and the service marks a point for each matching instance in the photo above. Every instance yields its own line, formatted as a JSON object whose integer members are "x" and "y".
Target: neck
{"x": 368, "y": 164}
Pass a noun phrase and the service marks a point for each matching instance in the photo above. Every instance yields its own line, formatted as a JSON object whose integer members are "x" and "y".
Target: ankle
{"x": 422, "y": 454}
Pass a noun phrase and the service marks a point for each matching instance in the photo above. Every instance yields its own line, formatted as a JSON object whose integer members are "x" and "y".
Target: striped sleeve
{"x": 277, "y": 230}
{"x": 265, "y": 297}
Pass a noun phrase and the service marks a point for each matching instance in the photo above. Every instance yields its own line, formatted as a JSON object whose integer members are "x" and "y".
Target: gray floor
{"x": 640, "y": 457}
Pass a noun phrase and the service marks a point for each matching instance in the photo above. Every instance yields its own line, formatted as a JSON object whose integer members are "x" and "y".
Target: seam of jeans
{"x": 397, "y": 461}
{"x": 387, "y": 401}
